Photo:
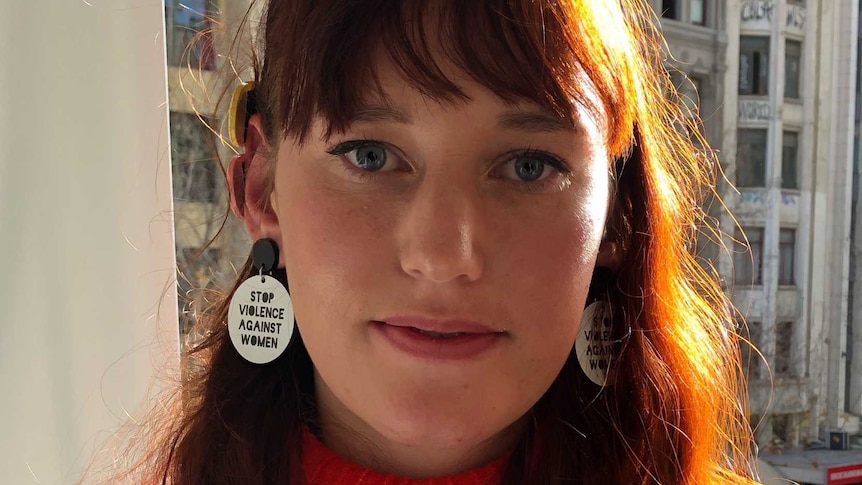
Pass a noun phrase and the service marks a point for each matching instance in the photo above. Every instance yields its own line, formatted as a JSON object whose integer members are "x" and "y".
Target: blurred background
{"x": 776, "y": 83}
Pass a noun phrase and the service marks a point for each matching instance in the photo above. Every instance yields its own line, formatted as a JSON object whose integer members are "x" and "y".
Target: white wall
{"x": 86, "y": 241}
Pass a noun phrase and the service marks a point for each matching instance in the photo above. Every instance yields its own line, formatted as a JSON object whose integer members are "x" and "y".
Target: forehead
{"x": 528, "y": 53}
{"x": 392, "y": 97}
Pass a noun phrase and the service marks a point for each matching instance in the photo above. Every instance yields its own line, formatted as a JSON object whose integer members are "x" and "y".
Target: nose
{"x": 439, "y": 232}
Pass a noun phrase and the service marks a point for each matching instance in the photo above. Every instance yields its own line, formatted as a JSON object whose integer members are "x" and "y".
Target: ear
{"x": 249, "y": 185}
{"x": 609, "y": 256}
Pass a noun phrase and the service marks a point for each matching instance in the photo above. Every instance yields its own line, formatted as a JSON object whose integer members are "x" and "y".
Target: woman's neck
{"x": 353, "y": 439}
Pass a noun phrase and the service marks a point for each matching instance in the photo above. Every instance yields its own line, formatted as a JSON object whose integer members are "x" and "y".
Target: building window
{"x": 749, "y": 347}
{"x": 751, "y": 158}
{"x": 783, "y": 349}
{"x": 697, "y": 12}
{"x": 786, "y": 255}
{"x": 670, "y": 9}
{"x": 792, "y": 68}
{"x": 754, "y": 65}
{"x": 790, "y": 160}
{"x": 748, "y": 262}
{"x": 189, "y": 33}
{"x": 195, "y": 164}
{"x": 782, "y": 429}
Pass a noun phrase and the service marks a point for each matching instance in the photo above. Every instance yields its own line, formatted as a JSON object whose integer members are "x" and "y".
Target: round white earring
{"x": 260, "y": 317}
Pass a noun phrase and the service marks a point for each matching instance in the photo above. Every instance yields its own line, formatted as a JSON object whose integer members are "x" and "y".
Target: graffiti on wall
{"x": 796, "y": 17}
{"x": 754, "y": 10}
{"x": 754, "y": 110}
{"x": 759, "y": 197}
{"x": 763, "y": 11}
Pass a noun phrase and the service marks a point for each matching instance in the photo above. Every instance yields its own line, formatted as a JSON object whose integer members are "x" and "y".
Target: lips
{"x": 440, "y": 328}
{"x": 459, "y": 340}
{"x": 437, "y": 334}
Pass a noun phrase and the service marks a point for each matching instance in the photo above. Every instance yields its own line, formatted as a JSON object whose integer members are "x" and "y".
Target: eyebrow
{"x": 534, "y": 122}
{"x": 528, "y": 122}
{"x": 376, "y": 113}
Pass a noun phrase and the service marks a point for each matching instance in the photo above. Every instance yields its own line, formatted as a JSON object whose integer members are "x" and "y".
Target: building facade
{"x": 853, "y": 399}
{"x": 777, "y": 83}
{"x": 793, "y": 87}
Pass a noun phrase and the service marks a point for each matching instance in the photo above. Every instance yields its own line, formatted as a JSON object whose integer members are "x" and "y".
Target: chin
{"x": 435, "y": 427}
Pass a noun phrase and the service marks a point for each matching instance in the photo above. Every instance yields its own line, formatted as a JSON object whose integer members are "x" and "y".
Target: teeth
{"x": 437, "y": 334}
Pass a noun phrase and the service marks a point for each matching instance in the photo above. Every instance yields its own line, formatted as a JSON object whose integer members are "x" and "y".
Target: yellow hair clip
{"x": 242, "y": 106}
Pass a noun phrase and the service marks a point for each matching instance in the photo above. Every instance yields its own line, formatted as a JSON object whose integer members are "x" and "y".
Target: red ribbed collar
{"x": 323, "y": 467}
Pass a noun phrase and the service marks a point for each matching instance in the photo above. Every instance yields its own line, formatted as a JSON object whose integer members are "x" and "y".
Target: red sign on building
{"x": 844, "y": 474}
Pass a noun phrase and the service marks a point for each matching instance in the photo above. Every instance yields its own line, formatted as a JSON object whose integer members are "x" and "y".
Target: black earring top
{"x": 264, "y": 255}
{"x": 600, "y": 283}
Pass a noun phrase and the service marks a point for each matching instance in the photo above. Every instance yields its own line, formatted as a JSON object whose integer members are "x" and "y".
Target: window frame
{"x": 703, "y": 12}
{"x": 751, "y": 259}
{"x": 752, "y": 331}
{"x": 759, "y": 64}
{"x": 783, "y": 362}
{"x": 759, "y": 180}
{"x": 795, "y": 160}
{"x": 786, "y": 250}
{"x": 672, "y": 11}
{"x": 796, "y": 94}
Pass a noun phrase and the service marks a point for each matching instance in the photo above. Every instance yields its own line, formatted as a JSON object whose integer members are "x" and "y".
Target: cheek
{"x": 333, "y": 248}
{"x": 547, "y": 286}
{"x": 563, "y": 240}
{"x": 553, "y": 248}
{"x": 546, "y": 263}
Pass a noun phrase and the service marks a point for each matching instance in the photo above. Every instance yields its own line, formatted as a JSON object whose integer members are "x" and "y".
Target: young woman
{"x": 481, "y": 211}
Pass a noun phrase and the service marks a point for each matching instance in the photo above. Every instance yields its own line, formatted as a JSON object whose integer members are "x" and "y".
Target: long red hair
{"x": 677, "y": 411}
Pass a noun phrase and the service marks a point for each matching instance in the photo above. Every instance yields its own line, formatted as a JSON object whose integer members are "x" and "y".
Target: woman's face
{"x": 480, "y": 215}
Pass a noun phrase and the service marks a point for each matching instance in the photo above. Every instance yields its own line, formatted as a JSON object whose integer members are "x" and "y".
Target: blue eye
{"x": 371, "y": 158}
{"x": 529, "y": 168}
{"x": 532, "y": 166}
{"x": 365, "y": 154}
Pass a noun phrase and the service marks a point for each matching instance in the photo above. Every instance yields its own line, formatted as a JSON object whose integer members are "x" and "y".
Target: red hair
{"x": 677, "y": 411}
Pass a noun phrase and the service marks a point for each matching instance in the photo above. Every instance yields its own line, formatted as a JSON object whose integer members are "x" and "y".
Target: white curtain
{"x": 87, "y": 298}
